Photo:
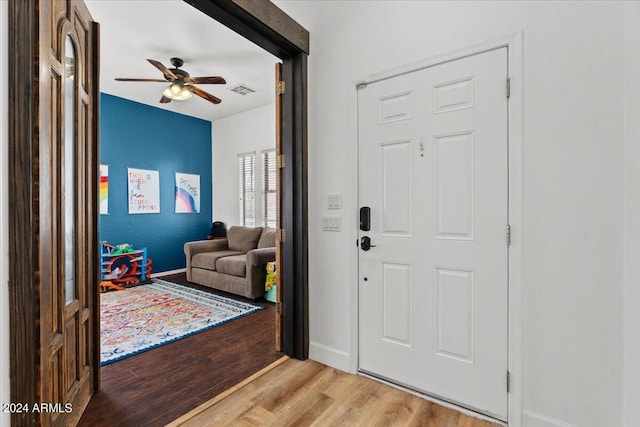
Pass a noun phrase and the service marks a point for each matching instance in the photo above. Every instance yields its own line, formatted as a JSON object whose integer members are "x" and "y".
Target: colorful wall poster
{"x": 144, "y": 191}
{"x": 187, "y": 193}
{"x": 104, "y": 189}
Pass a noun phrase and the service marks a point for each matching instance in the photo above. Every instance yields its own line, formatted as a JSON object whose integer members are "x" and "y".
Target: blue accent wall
{"x": 144, "y": 137}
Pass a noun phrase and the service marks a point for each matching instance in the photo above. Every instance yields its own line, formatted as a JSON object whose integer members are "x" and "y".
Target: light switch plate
{"x": 331, "y": 223}
{"x": 334, "y": 201}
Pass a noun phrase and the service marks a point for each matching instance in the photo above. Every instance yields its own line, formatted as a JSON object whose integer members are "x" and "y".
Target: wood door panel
{"x": 55, "y": 385}
{"x": 58, "y": 14}
{"x": 279, "y": 281}
{"x": 61, "y": 227}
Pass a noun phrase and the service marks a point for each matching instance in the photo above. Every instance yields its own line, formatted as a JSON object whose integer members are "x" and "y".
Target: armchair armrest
{"x": 256, "y": 257}
{"x": 256, "y": 268}
{"x": 192, "y": 248}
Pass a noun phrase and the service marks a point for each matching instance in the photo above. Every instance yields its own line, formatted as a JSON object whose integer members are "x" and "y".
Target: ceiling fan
{"x": 181, "y": 85}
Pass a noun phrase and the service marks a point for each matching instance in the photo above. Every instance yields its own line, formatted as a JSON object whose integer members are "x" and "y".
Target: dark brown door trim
{"x": 267, "y": 26}
{"x": 95, "y": 164}
{"x": 261, "y": 22}
{"x": 23, "y": 214}
{"x": 294, "y": 209}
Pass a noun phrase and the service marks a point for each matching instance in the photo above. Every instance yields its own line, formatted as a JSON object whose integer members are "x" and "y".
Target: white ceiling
{"x": 132, "y": 31}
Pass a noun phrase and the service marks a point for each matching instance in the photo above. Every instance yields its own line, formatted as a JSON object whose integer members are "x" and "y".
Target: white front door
{"x": 433, "y": 169}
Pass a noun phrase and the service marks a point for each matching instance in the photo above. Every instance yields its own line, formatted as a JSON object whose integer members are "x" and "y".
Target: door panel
{"x": 396, "y": 303}
{"x": 395, "y": 162}
{"x": 453, "y": 182}
{"x": 68, "y": 207}
{"x": 278, "y": 207}
{"x": 433, "y": 287}
{"x": 454, "y": 324}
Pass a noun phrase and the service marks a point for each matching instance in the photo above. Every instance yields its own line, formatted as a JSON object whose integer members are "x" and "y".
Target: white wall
{"x": 573, "y": 171}
{"x": 251, "y": 131}
{"x": 4, "y": 221}
{"x": 632, "y": 215}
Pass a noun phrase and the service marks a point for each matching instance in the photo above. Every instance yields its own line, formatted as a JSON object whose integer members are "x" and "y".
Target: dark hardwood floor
{"x": 157, "y": 386}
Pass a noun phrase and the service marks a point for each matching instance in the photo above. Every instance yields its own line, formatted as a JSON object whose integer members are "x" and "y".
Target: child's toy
{"x": 122, "y": 266}
{"x": 115, "y": 274}
{"x": 124, "y": 248}
{"x": 270, "y": 285}
{"x": 106, "y": 285}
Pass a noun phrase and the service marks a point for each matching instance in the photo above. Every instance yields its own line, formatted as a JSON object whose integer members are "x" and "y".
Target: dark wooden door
{"x": 68, "y": 176}
{"x": 60, "y": 223}
{"x": 279, "y": 89}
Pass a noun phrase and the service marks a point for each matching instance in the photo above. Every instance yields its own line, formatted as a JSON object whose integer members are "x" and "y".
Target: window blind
{"x": 269, "y": 198}
{"x": 247, "y": 190}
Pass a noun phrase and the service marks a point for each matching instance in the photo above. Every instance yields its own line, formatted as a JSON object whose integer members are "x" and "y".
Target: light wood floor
{"x": 304, "y": 393}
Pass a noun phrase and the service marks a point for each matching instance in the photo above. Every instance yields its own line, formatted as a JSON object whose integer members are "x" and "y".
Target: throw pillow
{"x": 268, "y": 238}
{"x": 243, "y": 238}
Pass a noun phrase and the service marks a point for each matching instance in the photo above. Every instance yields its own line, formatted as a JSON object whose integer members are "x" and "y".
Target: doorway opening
{"x": 268, "y": 27}
{"x": 244, "y": 142}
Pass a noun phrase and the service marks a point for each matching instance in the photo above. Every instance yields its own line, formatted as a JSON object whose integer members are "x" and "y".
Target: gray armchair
{"x": 236, "y": 264}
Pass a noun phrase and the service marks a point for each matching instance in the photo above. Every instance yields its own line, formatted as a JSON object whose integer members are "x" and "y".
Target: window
{"x": 247, "y": 175}
{"x": 269, "y": 198}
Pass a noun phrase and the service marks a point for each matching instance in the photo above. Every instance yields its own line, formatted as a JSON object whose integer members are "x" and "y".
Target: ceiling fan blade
{"x": 165, "y": 100}
{"x": 213, "y": 80}
{"x": 205, "y": 95}
{"x": 167, "y": 72}
{"x": 120, "y": 79}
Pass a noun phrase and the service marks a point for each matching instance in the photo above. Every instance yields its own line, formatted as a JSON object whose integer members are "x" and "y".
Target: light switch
{"x": 334, "y": 201}
{"x": 331, "y": 223}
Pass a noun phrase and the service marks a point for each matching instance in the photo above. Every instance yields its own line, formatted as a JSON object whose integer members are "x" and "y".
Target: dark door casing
{"x": 267, "y": 26}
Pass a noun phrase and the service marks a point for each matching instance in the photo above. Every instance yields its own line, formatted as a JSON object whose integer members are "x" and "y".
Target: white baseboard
{"x": 168, "y": 273}
{"x": 534, "y": 419}
{"x": 329, "y": 356}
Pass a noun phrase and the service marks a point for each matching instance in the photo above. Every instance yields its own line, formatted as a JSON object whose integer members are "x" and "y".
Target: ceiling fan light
{"x": 167, "y": 92}
{"x": 185, "y": 93}
{"x": 177, "y": 92}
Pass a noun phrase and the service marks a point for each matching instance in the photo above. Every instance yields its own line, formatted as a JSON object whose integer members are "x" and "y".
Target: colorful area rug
{"x": 148, "y": 316}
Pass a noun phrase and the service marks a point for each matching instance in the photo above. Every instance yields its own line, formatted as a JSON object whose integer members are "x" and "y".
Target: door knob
{"x": 365, "y": 243}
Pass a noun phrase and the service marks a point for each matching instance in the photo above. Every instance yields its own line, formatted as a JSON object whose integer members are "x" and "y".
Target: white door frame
{"x": 515, "y": 58}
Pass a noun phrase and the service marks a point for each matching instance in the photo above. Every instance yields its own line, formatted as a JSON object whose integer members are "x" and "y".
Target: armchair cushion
{"x": 243, "y": 238}
{"x": 208, "y": 260}
{"x": 233, "y": 265}
{"x": 267, "y": 239}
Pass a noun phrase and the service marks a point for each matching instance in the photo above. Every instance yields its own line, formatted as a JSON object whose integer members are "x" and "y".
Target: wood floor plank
{"x": 397, "y": 410}
{"x": 235, "y": 407}
{"x": 303, "y": 408}
{"x": 353, "y": 406}
{"x": 256, "y": 416}
{"x": 366, "y": 403}
{"x": 331, "y": 382}
{"x": 297, "y": 393}
{"x": 276, "y": 394}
